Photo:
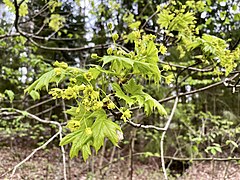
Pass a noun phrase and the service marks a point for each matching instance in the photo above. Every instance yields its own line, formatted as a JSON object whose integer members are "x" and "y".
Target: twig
{"x": 172, "y": 97}
{"x": 9, "y": 35}
{"x": 191, "y": 92}
{"x": 149, "y": 19}
{"x": 47, "y": 110}
{"x": 145, "y": 126}
{"x": 189, "y": 68}
{"x": 212, "y": 168}
{"x": 38, "y": 104}
{"x": 40, "y": 147}
{"x": 100, "y": 46}
{"x": 64, "y": 110}
{"x": 163, "y": 135}
{"x": 197, "y": 90}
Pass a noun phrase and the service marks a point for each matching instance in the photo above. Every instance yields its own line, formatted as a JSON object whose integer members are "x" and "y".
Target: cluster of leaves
{"x": 55, "y": 21}
{"x": 96, "y": 98}
{"x": 178, "y": 17}
{"x": 23, "y": 9}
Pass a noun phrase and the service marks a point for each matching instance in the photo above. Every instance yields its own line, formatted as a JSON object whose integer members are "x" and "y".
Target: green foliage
{"x": 35, "y": 95}
{"x": 56, "y": 21}
{"x": 89, "y": 123}
{"x": 23, "y": 9}
{"x": 92, "y": 131}
{"x": 104, "y": 127}
{"x": 10, "y": 95}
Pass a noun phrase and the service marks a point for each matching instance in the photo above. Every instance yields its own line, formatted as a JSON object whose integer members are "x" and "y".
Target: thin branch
{"x": 188, "y": 67}
{"x": 9, "y": 35}
{"x": 38, "y": 104}
{"x": 163, "y": 136}
{"x": 145, "y": 126}
{"x": 197, "y": 90}
{"x": 47, "y": 110}
{"x": 192, "y": 92}
{"x": 41, "y": 147}
{"x": 174, "y": 158}
{"x": 100, "y": 46}
{"x": 45, "y": 7}
{"x": 149, "y": 19}
{"x": 236, "y": 44}
{"x": 63, "y": 159}
{"x": 173, "y": 97}
{"x": 16, "y": 15}
{"x": 40, "y": 29}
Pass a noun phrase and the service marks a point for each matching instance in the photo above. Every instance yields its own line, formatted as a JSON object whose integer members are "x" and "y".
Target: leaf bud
{"x": 110, "y": 26}
{"x": 109, "y": 51}
{"x": 115, "y": 37}
{"x": 94, "y": 56}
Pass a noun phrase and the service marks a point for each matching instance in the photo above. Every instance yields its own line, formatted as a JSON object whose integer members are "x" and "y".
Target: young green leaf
{"x": 151, "y": 104}
{"x": 10, "y": 95}
{"x": 104, "y": 127}
{"x": 108, "y": 59}
{"x": 35, "y": 95}
{"x": 119, "y": 93}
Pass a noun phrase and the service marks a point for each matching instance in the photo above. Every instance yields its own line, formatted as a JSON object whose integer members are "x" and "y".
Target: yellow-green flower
{"x": 62, "y": 65}
{"x": 88, "y": 90}
{"x": 73, "y": 125}
{"x": 162, "y": 49}
{"x": 126, "y": 115}
{"x": 111, "y": 105}
{"x": 88, "y": 131}
{"x": 70, "y": 93}
{"x": 97, "y": 105}
{"x": 78, "y": 88}
{"x": 169, "y": 78}
{"x": 56, "y": 93}
{"x": 109, "y": 51}
{"x": 115, "y": 37}
{"x": 73, "y": 80}
{"x": 94, "y": 56}
{"x": 88, "y": 76}
{"x": 58, "y": 71}
{"x": 94, "y": 95}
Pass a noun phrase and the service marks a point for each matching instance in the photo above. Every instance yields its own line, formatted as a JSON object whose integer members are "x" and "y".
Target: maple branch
{"x": 163, "y": 136}
{"x": 40, "y": 103}
{"x": 9, "y": 35}
{"x": 100, "y": 46}
{"x": 188, "y": 67}
{"x": 198, "y": 90}
{"x": 136, "y": 125}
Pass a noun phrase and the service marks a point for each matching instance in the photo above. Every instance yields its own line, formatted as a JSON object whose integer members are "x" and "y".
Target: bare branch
{"x": 40, "y": 147}
{"x": 39, "y": 104}
{"x": 163, "y": 136}
{"x": 9, "y": 35}
{"x": 47, "y": 110}
{"x": 100, "y": 46}
{"x": 189, "y": 68}
{"x": 198, "y": 90}
{"x": 145, "y": 126}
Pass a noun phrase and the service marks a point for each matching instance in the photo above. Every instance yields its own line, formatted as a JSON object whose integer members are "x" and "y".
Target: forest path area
{"x": 47, "y": 165}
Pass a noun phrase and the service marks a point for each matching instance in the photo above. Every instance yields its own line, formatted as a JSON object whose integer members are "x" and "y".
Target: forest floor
{"x": 47, "y": 165}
